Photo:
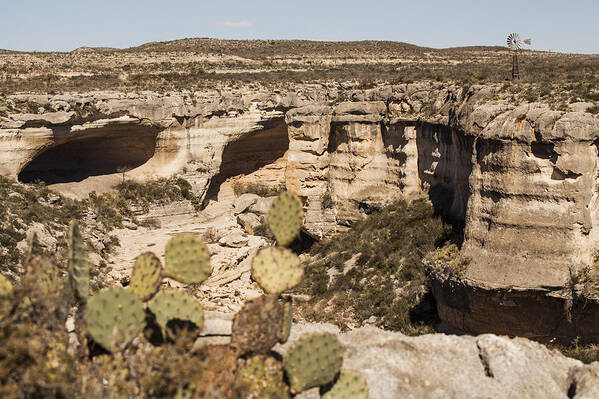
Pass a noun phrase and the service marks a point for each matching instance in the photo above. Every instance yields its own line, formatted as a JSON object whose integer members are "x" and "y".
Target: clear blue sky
{"x": 567, "y": 26}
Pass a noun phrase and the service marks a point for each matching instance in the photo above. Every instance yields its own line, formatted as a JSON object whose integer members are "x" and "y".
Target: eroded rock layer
{"x": 520, "y": 178}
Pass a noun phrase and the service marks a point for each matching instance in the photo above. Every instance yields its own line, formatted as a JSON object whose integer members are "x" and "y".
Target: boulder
{"x": 243, "y": 202}
{"x": 262, "y": 205}
{"x": 249, "y": 221}
{"x": 585, "y": 382}
{"x": 45, "y": 239}
{"x": 216, "y": 324}
{"x": 450, "y": 366}
{"x": 234, "y": 240}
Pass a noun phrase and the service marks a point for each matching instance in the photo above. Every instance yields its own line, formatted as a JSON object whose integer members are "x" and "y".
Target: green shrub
{"x": 263, "y": 190}
{"x": 593, "y": 110}
{"x": 449, "y": 259}
{"x": 327, "y": 200}
{"x": 387, "y": 279}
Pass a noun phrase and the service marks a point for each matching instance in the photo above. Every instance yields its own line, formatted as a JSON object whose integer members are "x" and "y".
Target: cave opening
{"x": 257, "y": 158}
{"x": 99, "y": 152}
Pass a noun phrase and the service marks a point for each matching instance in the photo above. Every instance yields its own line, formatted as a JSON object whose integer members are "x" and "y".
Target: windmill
{"x": 514, "y": 42}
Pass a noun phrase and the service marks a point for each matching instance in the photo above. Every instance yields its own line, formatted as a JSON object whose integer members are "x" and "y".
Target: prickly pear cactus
{"x": 169, "y": 305}
{"x": 257, "y": 326}
{"x": 287, "y": 320}
{"x": 218, "y": 378}
{"x": 184, "y": 393}
{"x": 313, "y": 360}
{"x": 114, "y": 317}
{"x": 286, "y": 217}
{"x": 41, "y": 271}
{"x": 5, "y": 286}
{"x": 277, "y": 269}
{"x": 5, "y": 293}
{"x": 260, "y": 377}
{"x": 187, "y": 259}
{"x": 349, "y": 385}
{"x": 33, "y": 247}
{"x": 78, "y": 262}
{"x": 146, "y": 276}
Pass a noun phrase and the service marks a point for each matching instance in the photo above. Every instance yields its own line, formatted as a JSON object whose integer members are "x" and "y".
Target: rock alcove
{"x": 257, "y": 157}
{"x": 97, "y": 153}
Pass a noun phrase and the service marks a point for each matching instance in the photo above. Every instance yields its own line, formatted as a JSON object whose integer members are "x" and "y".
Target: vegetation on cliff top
{"x": 196, "y": 64}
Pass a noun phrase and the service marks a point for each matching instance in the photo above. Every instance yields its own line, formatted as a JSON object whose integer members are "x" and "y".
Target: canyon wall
{"x": 518, "y": 180}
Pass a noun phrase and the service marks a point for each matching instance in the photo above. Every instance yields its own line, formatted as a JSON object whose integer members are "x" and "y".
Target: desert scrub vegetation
{"x": 208, "y": 63}
{"x": 160, "y": 191}
{"x": 327, "y": 200}
{"x": 59, "y": 340}
{"x": 39, "y": 360}
{"x": 586, "y": 353}
{"x": 448, "y": 260}
{"x": 34, "y": 206}
{"x": 261, "y": 189}
{"x": 24, "y": 206}
{"x": 375, "y": 271}
{"x": 130, "y": 197}
{"x": 593, "y": 110}
{"x": 584, "y": 283}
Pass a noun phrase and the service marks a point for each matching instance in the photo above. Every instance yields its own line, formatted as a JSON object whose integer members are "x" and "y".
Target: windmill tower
{"x": 515, "y": 44}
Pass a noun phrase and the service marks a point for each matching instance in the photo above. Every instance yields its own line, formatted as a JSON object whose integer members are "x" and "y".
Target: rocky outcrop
{"x": 519, "y": 181}
{"x": 149, "y": 134}
{"x": 446, "y": 366}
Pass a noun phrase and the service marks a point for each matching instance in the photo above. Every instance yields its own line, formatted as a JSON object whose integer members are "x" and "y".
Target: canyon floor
{"x": 230, "y": 284}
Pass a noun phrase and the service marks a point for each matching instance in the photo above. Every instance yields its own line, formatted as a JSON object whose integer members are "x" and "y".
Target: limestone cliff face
{"x": 521, "y": 179}
{"x": 154, "y": 135}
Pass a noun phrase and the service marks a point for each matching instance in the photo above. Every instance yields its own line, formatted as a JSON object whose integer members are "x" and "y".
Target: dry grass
{"x": 205, "y": 63}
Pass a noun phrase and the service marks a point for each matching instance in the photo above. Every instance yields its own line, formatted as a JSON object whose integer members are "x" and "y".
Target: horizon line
{"x": 288, "y": 40}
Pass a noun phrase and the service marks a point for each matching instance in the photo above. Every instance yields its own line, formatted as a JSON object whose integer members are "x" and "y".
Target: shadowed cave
{"x": 251, "y": 153}
{"x": 100, "y": 152}
{"x": 444, "y": 168}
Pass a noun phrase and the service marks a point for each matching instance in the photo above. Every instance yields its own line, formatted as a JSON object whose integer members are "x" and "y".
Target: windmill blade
{"x": 514, "y": 42}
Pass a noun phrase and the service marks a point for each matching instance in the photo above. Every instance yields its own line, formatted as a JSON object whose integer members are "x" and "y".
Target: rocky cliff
{"x": 517, "y": 179}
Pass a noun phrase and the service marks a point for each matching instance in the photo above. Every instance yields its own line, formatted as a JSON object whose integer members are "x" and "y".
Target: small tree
{"x": 123, "y": 169}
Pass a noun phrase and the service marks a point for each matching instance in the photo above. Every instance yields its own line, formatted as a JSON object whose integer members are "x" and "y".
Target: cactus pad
{"x": 78, "y": 262}
{"x": 260, "y": 377}
{"x": 277, "y": 269}
{"x": 313, "y": 360}
{"x": 350, "y": 385}
{"x": 187, "y": 259}
{"x": 41, "y": 271}
{"x": 33, "y": 247}
{"x": 6, "y": 291}
{"x": 146, "y": 276}
{"x": 114, "y": 317}
{"x": 258, "y": 325}
{"x": 287, "y": 320}
{"x": 217, "y": 379}
{"x": 285, "y": 218}
{"x": 170, "y": 305}
{"x": 5, "y": 286}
